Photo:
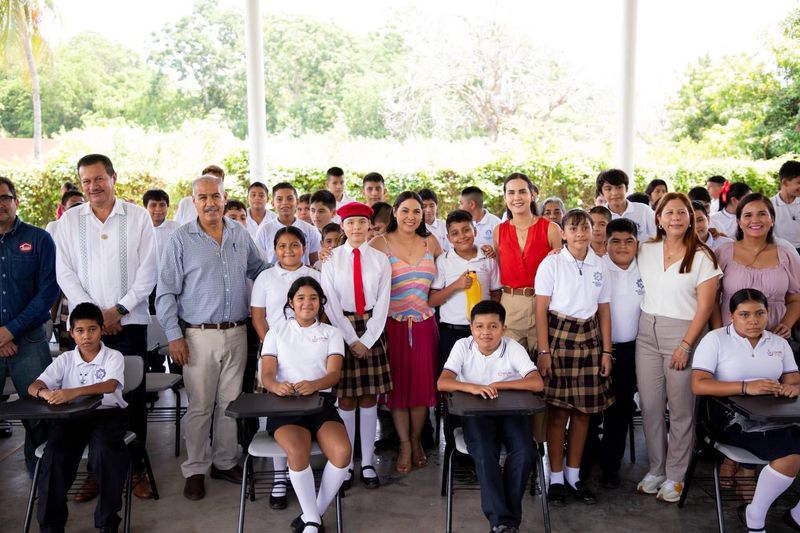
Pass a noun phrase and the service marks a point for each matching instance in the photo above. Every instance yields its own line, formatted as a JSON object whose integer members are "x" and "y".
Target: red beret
{"x": 354, "y": 209}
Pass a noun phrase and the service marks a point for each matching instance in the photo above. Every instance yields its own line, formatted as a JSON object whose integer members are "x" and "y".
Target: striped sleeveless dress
{"x": 411, "y": 333}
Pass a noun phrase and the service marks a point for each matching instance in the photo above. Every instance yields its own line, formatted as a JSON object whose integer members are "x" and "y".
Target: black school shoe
{"x": 788, "y": 519}
{"x": 347, "y": 483}
{"x": 582, "y": 493}
{"x": 557, "y": 494}
{"x": 741, "y": 512}
{"x": 609, "y": 480}
{"x": 298, "y": 525}
{"x": 370, "y": 482}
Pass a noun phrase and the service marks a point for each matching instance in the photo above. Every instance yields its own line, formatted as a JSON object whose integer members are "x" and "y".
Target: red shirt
{"x": 518, "y": 267}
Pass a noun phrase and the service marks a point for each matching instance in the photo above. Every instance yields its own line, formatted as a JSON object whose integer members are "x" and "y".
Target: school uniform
{"x": 271, "y": 288}
{"x": 575, "y": 289}
{"x": 344, "y": 201}
{"x": 729, "y": 356}
{"x": 642, "y": 216}
{"x": 484, "y": 229}
{"x": 715, "y": 243}
{"x": 302, "y": 355}
{"x": 501, "y": 490}
{"x": 439, "y": 230}
{"x": 265, "y": 238}
{"x": 725, "y": 222}
{"x": 252, "y": 225}
{"x": 787, "y": 220}
{"x": 103, "y": 430}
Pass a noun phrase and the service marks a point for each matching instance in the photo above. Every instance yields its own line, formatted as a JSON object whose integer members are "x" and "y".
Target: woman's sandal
{"x": 403, "y": 467}
{"x": 418, "y": 457}
{"x": 727, "y": 474}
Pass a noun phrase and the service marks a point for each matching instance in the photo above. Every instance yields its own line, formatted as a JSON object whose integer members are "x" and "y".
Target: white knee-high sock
{"x": 332, "y": 478}
{"x": 369, "y": 427}
{"x": 279, "y": 465}
{"x": 349, "y": 419}
{"x": 303, "y": 485}
{"x": 771, "y": 484}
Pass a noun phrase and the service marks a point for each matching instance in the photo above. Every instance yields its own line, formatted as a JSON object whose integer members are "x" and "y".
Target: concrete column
{"x": 627, "y": 109}
{"x": 256, "y": 104}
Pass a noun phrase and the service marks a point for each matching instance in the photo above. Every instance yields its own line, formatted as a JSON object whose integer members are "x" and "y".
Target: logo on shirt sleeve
{"x": 25, "y": 247}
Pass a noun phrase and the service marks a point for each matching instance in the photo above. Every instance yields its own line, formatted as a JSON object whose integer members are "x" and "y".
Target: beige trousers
{"x": 659, "y": 385}
{"x": 213, "y": 379}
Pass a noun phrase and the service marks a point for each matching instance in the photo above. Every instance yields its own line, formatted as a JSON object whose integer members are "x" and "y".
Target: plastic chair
{"x": 161, "y": 382}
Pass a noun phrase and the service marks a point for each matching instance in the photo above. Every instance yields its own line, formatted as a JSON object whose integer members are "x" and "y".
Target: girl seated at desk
{"x": 745, "y": 359}
{"x": 302, "y": 356}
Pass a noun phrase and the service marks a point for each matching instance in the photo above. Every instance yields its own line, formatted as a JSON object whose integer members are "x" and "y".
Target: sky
{"x": 586, "y": 33}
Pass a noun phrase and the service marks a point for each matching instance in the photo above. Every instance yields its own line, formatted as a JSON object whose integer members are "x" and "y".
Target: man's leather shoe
{"x": 195, "y": 488}
{"x": 141, "y": 486}
{"x": 87, "y": 492}
{"x": 232, "y": 475}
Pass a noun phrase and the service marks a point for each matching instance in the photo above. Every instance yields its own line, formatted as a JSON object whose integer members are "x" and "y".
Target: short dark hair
{"x": 86, "y": 311}
{"x": 459, "y": 215}
{"x": 473, "y": 193}
{"x": 653, "y": 184}
{"x": 258, "y": 184}
{"x": 421, "y": 230}
{"x": 381, "y": 212}
{"x": 93, "y": 159}
{"x": 283, "y": 185}
{"x": 719, "y": 180}
{"x": 429, "y": 195}
{"x": 214, "y": 170}
{"x": 324, "y": 197}
{"x": 234, "y": 204}
{"x": 699, "y": 206}
{"x": 612, "y": 176}
{"x": 373, "y": 177}
{"x": 290, "y": 230}
{"x": 601, "y": 210}
{"x": 622, "y": 225}
{"x": 638, "y": 198}
{"x": 699, "y": 194}
{"x": 330, "y": 227}
{"x": 68, "y": 185}
{"x": 488, "y": 307}
{"x": 156, "y": 195}
{"x": 576, "y": 216}
{"x": 70, "y": 194}
{"x": 10, "y": 184}
{"x": 789, "y": 170}
{"x": 747, "y": 295}
{"x": 304, "y": 198}
{"x": 334, "y": 172}
{"x": 306, "y": 281}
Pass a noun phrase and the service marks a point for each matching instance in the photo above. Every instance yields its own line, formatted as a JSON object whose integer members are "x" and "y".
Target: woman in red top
{"x": 522, "y": 242}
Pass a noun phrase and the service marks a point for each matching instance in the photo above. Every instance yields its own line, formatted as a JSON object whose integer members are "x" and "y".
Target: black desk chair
{"x": 160, "y": 382}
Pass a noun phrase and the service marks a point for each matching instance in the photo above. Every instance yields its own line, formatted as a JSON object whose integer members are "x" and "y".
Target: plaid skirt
{"x": 368, "y": 376}
{"x": 576, "y": 349}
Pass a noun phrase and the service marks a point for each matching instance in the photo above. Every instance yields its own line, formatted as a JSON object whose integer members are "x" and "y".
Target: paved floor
{"x": 403, "y": 504}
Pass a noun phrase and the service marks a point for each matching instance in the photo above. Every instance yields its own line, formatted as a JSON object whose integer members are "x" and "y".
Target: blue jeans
{"x": 501, "y": 490}
{"x": 33, "y": 356}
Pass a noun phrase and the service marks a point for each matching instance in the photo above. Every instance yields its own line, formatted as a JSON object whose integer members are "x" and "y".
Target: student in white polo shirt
{"x": 472, "y": 201}
{"x": 90, "y": 369}
{"x": 787, "y": 204}
{"x": 613, "y": 184}
{"x": 300, "y": 357}
{"x": 485, "y": 364}
{"x": 435, "y": 225}
{"x": 745, "y": 359}
{"x": 284, "y": 199}
{"x": 724, "y": 220}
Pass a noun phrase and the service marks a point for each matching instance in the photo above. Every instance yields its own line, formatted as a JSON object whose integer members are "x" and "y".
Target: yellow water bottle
{"x": 473, "y": 292}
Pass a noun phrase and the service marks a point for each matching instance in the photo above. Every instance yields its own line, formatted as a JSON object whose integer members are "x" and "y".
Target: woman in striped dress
{"x": 411, "y": 328}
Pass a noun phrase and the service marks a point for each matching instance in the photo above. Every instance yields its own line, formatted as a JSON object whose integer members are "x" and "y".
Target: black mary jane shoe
{"x": 741, "y": 512}
{"x": 788, "y": 519}
{"x": 582, "y": 493}
{"x": 298, "y": 525}
{"x": 279, "y": 502}
{"x": 557, "y": 494}
{"x": 347, "y": 483}
{"x": 370, "y": 482}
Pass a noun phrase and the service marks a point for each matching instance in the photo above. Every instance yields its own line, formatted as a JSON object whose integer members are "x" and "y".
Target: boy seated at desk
{"x": 89, "y": 369}
{"x": 484, "y": 364}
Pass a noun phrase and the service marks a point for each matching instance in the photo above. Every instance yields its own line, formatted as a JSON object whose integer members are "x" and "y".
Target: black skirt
{"x": 767, "y": 445}
{"x": 312, "y": 423}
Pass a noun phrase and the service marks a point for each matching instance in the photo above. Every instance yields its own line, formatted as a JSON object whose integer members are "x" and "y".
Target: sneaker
{"x": 670, "y": 491}
{"x": 650, "y": 484}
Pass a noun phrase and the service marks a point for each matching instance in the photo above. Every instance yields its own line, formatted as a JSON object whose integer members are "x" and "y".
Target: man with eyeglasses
{"x": 28, "y": 289}
{"x": 106, "y": 255}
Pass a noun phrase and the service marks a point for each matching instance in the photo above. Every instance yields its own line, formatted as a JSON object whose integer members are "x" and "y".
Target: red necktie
{"x": 358, "y": 283}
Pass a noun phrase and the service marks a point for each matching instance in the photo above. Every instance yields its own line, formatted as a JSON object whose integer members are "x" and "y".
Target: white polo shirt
{"x": 69, "y": 370}
{"x": 270, "y": 290}
{"x": 163, "y": 233}
{"x": 302, "y": 353}
{"x": 186, "y": 211}
{"x": 439, "y": 230}
{"x": 787, "y": 220}
{"x": 265, "y": 238}
{"x": 345, "y": 200}
{"x": 508, "y": 362}
{"x": 627, "y": 291}
{"x": 731, "y": 357}
{"x": 724, "y": 222}
{"x": 713, "y": 243}
{"x": 571, "y": 292}
{"x": 449, "y": 267}
{"x": 252, "y": 225}
{"x": 484, "y": 229}
{"x": 642, "y": 216}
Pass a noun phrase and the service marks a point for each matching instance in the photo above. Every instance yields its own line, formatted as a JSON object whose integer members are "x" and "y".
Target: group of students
{"x": 581, "y": 306}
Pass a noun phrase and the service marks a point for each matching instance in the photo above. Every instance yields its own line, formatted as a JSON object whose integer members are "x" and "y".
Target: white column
{"x": 256, "y": 105}
{"x": 627, "y": 106}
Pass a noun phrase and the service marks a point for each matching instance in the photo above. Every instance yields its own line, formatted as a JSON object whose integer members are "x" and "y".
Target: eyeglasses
{"x": 6, "y": 198}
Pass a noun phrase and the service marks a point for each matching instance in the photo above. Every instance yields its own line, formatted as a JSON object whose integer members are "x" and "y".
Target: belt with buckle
{"x": 519, "y": 291}
{"x": 221, "y": 325}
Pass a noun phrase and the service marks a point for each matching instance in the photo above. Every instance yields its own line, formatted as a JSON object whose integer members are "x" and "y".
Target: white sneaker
{"x": 670, "y": 491}
{"x": 650, "y": 484}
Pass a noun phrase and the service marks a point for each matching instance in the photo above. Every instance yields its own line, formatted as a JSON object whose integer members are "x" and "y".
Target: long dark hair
{"x": 299, "y": 283}
{"x": 690, "y": 238}
{"x": 531, "y": 187}
{"x": 421, "y": 230}
{"x": 735, "y": 190}
{"x": 747, "y": 295}
{"x": 749, "y": 199}
{"x": 289, "y": 230}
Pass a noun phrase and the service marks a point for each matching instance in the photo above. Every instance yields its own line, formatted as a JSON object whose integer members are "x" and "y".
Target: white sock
{"x": 557, "y": 477}
{"x": 349, "y": 419}
{"x": 303, "y": 485}
{"x": 795, "y": 512}
{"x": 771, "y": 484}
{"x": 369, "y": 427}
{"x": 573, "y": 475}
{"x": 279, "y": 466}
{"x": 332, "y": 478}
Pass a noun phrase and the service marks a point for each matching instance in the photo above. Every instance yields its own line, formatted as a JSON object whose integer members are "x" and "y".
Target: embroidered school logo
{"x": 100, "y": 373}
{"x": 502, "y": 374}
{"x": 598, "y": 279}
{"x": 25, "y": 247}
{"x": 639, "y": 287}
{"x": 488, "y": 234}
{"x": 775, "y": 353}
{"x": 315, "y": 338}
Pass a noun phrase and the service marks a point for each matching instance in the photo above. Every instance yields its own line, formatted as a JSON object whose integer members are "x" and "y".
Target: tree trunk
{"x": 37, "y": 102}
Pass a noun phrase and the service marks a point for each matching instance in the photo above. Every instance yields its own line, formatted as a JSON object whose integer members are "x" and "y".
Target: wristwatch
{"x": 121, "y": 309}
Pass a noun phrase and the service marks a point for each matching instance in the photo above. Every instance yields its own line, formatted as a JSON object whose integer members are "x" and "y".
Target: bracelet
{"x": 38, "y": 391}
{"x": 688, "y": 345}
{"x": 544, "y": 353}
{"x": 608, "y": 352}
{"x": 687, "y": 350}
